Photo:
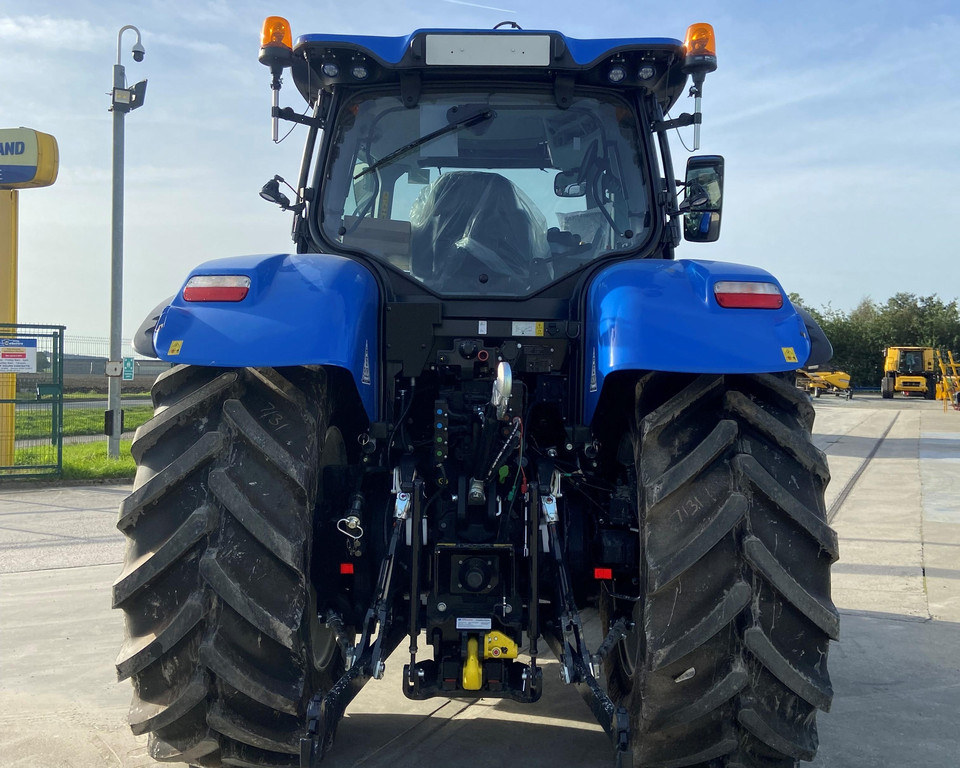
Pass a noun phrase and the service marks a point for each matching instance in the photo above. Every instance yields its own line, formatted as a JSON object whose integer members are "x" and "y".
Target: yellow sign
{"x": 28, "y": 158}
{"x": 789, "y": 355}
{"x": 175, "y": 347}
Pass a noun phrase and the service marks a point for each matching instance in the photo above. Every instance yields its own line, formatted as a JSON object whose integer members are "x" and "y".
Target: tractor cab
{"x": 493, "y": 164}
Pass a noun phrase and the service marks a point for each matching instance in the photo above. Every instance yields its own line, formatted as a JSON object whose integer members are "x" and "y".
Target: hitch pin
{"x": 350, "y": 526}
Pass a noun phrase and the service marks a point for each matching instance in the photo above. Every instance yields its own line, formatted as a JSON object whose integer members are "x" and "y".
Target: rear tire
{"x": 222, "y": 640}
{"x": 726, "y": 664}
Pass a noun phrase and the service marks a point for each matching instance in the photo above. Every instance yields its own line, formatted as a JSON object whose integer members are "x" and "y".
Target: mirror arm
{"x": 287, "y": 113}
{"x": 679, "y": 122}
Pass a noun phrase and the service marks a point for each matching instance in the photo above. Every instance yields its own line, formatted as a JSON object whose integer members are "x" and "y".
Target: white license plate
{"x": 488, "y": 50}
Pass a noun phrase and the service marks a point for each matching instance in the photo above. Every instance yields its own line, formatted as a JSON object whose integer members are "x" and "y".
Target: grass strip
{"x": 83, "y": 461}
{"x": 35, "y": 424}
{"x": 30, "y": 397}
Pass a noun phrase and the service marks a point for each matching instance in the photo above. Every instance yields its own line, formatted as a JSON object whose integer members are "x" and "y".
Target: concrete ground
{"x": 894, "y": 500}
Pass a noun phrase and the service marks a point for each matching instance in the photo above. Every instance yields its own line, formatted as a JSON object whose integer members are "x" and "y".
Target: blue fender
{"x": 657, "y": 315}
{"x": 308, "y": 309}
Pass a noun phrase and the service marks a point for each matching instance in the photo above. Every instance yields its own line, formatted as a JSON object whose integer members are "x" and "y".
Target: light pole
{"x": 122, "y": 100}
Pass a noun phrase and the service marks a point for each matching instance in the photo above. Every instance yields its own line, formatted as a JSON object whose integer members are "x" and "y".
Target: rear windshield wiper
{"x": 466, "y": 121}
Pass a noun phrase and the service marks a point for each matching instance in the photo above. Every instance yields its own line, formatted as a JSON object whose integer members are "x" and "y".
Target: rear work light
{"x": 216, "y": 288}
{"x": 747, "y": 295}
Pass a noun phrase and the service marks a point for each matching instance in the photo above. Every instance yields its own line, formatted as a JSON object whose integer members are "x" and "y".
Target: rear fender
{"x": 307, "y": 309}
{"x": 656, "y": 315}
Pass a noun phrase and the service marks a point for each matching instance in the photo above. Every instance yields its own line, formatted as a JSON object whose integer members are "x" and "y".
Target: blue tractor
{"x": 482, "y": 398}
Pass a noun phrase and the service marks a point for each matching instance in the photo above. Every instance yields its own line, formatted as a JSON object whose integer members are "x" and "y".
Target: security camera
{"x": 138, "y": 52}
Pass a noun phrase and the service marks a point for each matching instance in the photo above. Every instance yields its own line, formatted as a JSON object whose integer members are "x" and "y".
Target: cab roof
{"x": 651, "y": 64}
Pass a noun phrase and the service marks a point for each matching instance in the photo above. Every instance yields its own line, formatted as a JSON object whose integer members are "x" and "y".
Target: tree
{"x": 860, "y": 336}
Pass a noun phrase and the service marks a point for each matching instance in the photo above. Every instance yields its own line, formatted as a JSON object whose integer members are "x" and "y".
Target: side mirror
{"x": 703, "y": 199}
{"x": 569, "y": 184}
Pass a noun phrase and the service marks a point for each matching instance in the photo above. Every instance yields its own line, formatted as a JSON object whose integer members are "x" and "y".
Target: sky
{"x": 837, "y": 120}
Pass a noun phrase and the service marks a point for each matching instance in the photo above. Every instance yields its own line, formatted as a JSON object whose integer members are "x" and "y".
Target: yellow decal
{"x": 789, "y": 355}
{"x": 175, "y": 347}
{"x": 539, "y": 329}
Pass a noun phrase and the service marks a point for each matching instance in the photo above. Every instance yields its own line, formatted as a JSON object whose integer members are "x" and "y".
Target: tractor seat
{"x": 473, "y": 223}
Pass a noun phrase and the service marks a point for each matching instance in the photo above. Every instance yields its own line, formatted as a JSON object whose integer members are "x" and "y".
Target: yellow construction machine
{"x": 816, "y": 380}
{"x": 909, "y": 370}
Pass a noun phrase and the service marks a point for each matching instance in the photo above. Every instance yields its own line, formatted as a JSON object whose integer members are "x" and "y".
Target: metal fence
{"x": 53, "y": 392}
{"x": 31, "y": 400}
{"x": 88, "y": 355}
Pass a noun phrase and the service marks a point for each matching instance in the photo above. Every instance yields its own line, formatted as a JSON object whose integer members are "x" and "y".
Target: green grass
{"x": 31, "y": 397}
{"x": 90, "y": 395}
{"x": 83, "y": 461}
{"x": 33, "y": 424}
{"x": 89, "y": 461}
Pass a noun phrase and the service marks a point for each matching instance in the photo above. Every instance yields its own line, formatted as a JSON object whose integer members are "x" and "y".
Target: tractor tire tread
{"x": 227, "y": 665}
{"x": 801, "y": 514}
{"x": 821, "y": 612}
{"x": 150, "y": 716}
{"x": 150, "y": 432}
{"x": 214, "y": 585}
{"x": 736, "y": 552}
{"x": 662, "y": 572}
{"x": 261, "y": 735}
{"x": 245, "y": 426}
{"x": 724, "y": 612}
{"x": 137, "y": 653}
{"x": 140, "y": 572}
{"x": 154, "y": 489}
{"x": 797, "y": 743}
{"x": 814, "y": 690}
{"x": 284, "y": 538}
{"x": 688, "y": 467}
{"x": 234, "y": 594}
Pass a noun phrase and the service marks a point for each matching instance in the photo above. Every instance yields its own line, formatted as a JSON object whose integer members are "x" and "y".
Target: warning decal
{"x": 526, "y": 328}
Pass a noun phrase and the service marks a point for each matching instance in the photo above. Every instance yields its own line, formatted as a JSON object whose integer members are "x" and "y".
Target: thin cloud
{"x": 478, "y": 5}
{"x": 51, "y": 33}
{"x": 193, "y": 45}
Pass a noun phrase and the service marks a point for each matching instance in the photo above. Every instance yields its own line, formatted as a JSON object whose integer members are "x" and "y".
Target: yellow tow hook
{"x": 472, "y": 673}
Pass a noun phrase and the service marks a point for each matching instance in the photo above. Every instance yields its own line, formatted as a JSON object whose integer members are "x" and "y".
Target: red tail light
{"x": 735, "y": 294}
{"x": 604, "y": 574}
{"x": 216, "y": 288}
{"x": 346, "y": 569}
